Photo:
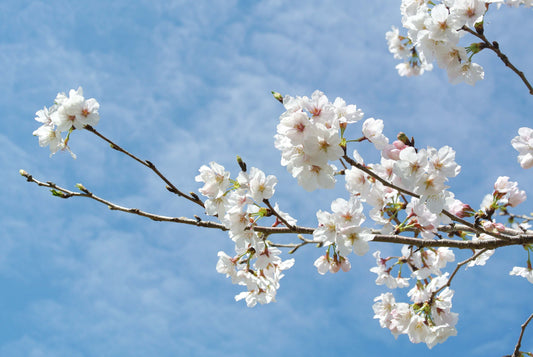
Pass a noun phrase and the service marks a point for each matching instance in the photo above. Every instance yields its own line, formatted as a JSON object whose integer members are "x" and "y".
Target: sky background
{"x": 183, "y": 83}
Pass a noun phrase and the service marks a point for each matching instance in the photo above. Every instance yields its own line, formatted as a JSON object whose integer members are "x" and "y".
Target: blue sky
{"x": 183, "y": 83}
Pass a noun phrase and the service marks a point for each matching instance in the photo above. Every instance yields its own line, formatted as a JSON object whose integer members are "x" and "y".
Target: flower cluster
{"x": 341, "y": 230}
{"x": 308, "y": 137}
{"x": 434, "y": 32}
{"x": 68, "y": 113}
{"x": 421, "y": 171}
{"x": 261, "y": 279}
{"x": 428, "y": 318}
{"x": 237, "y": 203}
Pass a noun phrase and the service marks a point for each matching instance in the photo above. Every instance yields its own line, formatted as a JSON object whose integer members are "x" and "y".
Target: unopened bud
{"x": 241, "y": 163}
{"x": 82, "y": 188}
{"x": 479, "y": 27}
{"x": 475, "y": 47}
{"x": 404, "y": 139}
{"x": 278, "y": 96}
{"x": 23, "y": 173}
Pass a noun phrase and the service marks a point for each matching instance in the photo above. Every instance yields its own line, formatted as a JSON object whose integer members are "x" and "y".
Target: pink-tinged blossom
{"x": 43, "y": 115}
{"x": 316, "y": 104}
{"x": 503, "y": 185}
{"x": 322, "y": 264}
{"x": 384, "y": 276}
{"x": 347, "y": 114}
{"x": 340, "y": 262}
{"x": 75, "y": 111}
{"x": 492, "y": 226}
{"x": 216, "y": 180}
{"x": 443, "y": 161}
{"x": 483, "y": 257}
{"x": 261, "y": 186}
{"x": 429, "y": 184}
{"x": 458, "y": 208}
{"x": 411, "y": 165}
{"x": 226, "y": 265}
{"x": 441, "y": 26}
{"x": 357, "y": 182}
{"x": 353, "y": 239}
{"x": 327, "y": 228}
{"x": 422, "y": 217}
{"x": 468, "y": 12}
{"x": 323, "y": 146}
{"x": 48, "y": 136}
{"x": 312, "y": 177}
{"x": 216, "y": 206}
{"x": 348, "y": 213}
{"x": 373, "y": 131}
{"x": 523, "y": 143}
{"x": 507, "y": 192}
{"x": 392, "y": 151}
{"x": 468, "y": 72}
{"x": 295, "y": 126}
{"x": 383, "y": 307}
{"x": 401, "y": 318}
{"x": 261, "y": 279}
{"x": 418, "y": 330}
{"x": 516, "y": 197}
{"x": 397, "y": 44}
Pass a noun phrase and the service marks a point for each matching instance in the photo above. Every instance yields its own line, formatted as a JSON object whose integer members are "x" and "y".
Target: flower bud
{"x": 241, "y": 163}
{"x": 82, "y": 188}
{"x": 278, "y": 96}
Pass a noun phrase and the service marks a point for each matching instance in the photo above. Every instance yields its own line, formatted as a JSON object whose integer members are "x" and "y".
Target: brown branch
{"x": 494, "y": 46}
{"x": 516, "y": 352}
{"x": 519, "y": 239}
{"x": 193, "y": 197}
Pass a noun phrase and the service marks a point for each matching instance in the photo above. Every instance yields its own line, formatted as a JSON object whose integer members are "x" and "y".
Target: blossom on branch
{"x": 68, "y": 113}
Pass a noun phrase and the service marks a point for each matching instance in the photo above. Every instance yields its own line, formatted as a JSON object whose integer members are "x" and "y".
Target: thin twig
{"x": 278, "y": 216}
{"x": 459, "y": 265}
{"x": 494, "y": 46}
{"x": 150, "y": 165}
{"x": 516, "y": 352}
{"x": 66, "y": 193}
{"x": 296, "y": 246}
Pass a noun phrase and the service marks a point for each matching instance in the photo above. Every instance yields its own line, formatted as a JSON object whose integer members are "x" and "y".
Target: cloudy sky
{"x": 183, "y": 83}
